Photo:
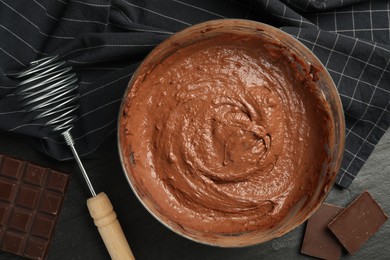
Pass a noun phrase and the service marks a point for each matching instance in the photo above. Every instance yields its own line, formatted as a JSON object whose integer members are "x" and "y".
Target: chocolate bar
{"x": 358, "y": 222}
{"x": 319, "y": 240}
{"x": 31, "y": 198}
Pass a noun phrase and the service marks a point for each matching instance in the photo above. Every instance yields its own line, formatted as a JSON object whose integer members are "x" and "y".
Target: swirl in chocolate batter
{"x": 226, "y": 134}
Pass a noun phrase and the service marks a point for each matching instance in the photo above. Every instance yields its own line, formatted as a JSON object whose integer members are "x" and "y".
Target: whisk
{"x": 48, "y": 90}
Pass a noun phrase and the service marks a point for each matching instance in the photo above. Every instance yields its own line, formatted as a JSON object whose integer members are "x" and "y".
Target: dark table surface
{"x": 76, "y": 236}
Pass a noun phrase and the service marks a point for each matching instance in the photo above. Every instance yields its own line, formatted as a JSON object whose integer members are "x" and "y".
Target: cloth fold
{"x": 105, "y": 41}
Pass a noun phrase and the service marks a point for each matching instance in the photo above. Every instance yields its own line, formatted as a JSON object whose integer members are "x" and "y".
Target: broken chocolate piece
{"x": 319, "y": 241}
{"x": 30, "y": 201}
{"x": 358, "y": 222}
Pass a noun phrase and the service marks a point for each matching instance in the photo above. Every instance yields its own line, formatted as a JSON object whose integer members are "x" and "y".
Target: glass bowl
{"x": 304, "y": 208}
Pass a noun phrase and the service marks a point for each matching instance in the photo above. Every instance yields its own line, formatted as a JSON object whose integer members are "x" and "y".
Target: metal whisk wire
{"x": 48, "y": 88}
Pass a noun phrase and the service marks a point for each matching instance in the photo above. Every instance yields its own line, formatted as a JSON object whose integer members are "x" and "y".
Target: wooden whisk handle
{"x": 105, "y": 219}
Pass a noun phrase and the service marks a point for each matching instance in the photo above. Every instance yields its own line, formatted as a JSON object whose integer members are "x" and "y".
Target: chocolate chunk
{"x": 358, "y": 222}
{"x": 319, "y": 241}
{"x": 30, "y": 202}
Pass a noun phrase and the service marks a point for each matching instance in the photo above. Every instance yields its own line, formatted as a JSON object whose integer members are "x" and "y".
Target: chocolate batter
{"x": 226, "y": 135}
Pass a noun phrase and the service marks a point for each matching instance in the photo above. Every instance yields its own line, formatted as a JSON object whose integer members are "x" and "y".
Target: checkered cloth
{"x": 106, "y": 40}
